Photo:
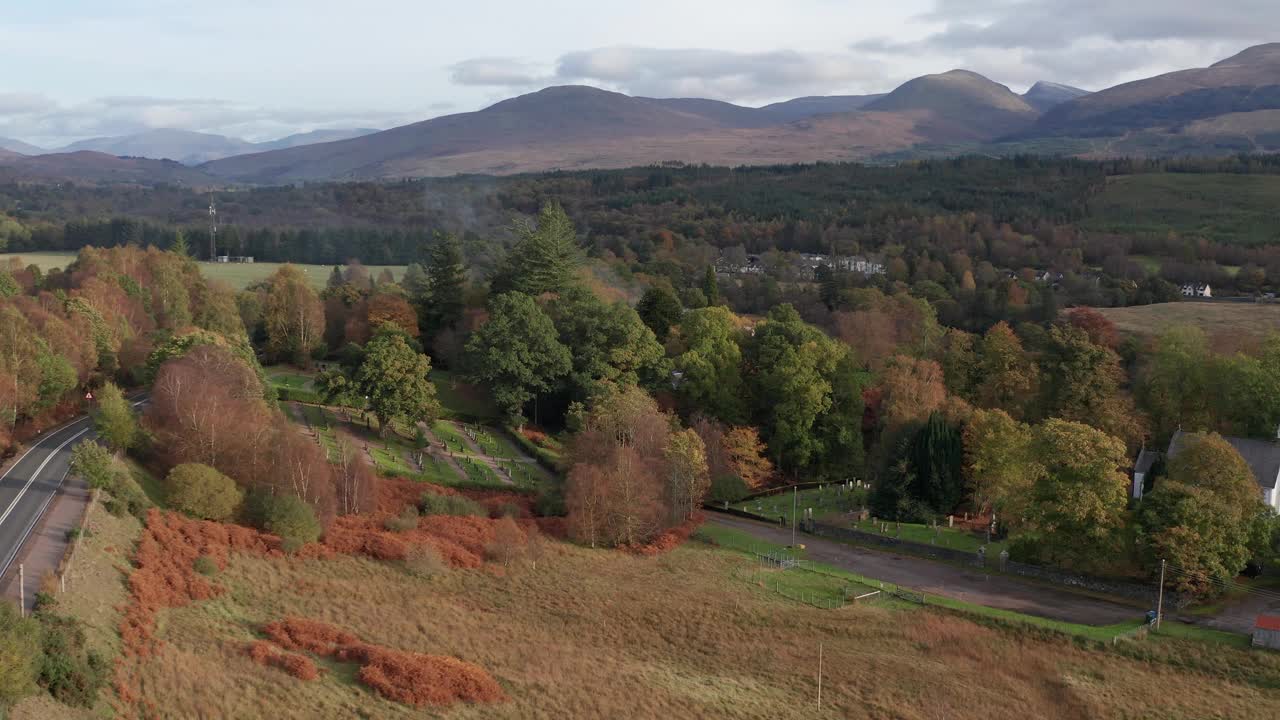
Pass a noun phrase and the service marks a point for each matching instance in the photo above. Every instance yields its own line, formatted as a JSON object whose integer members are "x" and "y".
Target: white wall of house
{"x": 1136, "y": 490}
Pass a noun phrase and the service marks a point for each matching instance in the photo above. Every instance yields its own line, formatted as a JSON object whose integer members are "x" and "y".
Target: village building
{"x": 1197, "y": 290}
{"x": 1266, "y": 632}
{"x": 1262, "y": 457}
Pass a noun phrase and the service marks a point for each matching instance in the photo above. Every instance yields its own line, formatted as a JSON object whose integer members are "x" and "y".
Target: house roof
{"x": 1146, "y": 459}
{"x": 1268, "y": 622}
{"x": 1262, "y": 456}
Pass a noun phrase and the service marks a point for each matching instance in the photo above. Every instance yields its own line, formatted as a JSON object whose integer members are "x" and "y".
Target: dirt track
{"x": 937, "y": 578}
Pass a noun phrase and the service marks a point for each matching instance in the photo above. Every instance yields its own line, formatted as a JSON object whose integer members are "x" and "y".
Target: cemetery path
{"x": 936, "y": 578}
{"x": 479, "y": 453}
{"x": 440, "y": 450}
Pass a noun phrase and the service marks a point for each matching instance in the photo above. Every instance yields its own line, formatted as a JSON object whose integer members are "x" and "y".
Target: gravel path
{"x": 937, "y": 578}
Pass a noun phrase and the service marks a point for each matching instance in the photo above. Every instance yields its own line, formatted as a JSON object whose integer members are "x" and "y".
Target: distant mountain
{"x": 93, "y": 167}
{"x": 1246, "y": 83}
{"x": 964, "y": 105}
{"x": 805, "y": 107}
{"x": 1044, "y": 95}
{"x": 311, "y": 138}
{"x": 184, "y": 146}
{"x": 20, "y": 147}
{"x": 194, "y": 148}
{"x": 564, "y": 114}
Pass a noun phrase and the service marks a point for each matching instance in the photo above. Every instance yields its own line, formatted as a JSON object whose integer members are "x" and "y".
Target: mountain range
{"x": 1231, "y": 106}
{"x": 184, "y": 146}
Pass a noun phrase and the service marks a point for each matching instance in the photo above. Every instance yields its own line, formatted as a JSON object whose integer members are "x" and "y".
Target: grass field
{"x": 1230, "y": 326}
{"x": 237, "y": 275}
{"x": 1225, "y": 207}
{"x": 603, "y": 634}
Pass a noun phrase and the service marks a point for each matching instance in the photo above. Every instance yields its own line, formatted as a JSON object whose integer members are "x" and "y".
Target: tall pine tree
{"x": 545, "y": 257}
{"x": 445, "y": 287}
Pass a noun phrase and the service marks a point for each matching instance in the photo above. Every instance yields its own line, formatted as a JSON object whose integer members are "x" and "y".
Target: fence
{"x": 852, "y": 590}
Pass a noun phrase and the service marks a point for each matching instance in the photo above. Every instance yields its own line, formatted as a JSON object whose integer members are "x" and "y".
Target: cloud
{"x": 24, "y": 104}
{"x": 691, "y": 72}
{"x": 496, "y": 71}
{"x": 1092, "y": 43}
{"x": 50, "y": 124}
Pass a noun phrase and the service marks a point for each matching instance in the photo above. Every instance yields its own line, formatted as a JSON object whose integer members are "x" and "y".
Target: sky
{"x": 263, "y": 69}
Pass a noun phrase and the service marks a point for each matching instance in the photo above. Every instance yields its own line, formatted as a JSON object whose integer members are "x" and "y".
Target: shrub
{"x": 203, "y": 492}
{"x": 508, "y": 542}
{"x": 424, "y": 561}
{"x": 19, "y": 653}
{"x": 69, "y": 671}
{"x": 292, "y": 519}
{"x": 404, "y": 522}
{"x": 550, "y": 503}
{"x": 436, "y": 504}
{"x": 728, "y": 488}
{"x": 205, "y": 565}
{"x": 510, "y": 510}
{"x": 115, "y": 507}
{"x": 94, "y": 463}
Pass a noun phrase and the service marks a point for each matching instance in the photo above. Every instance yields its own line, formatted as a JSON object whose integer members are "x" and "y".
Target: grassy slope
{"x": 600, "y": 634}
{"x": 237, "y": 275}
{"x": 1230, "y": 326}
{"x": 1229, "y": 208}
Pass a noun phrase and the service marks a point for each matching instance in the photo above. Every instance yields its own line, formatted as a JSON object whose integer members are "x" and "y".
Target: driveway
{"x": 935, "y": 578}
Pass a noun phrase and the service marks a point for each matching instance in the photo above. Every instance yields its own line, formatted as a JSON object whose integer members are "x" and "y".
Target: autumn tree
{"x": 1205, "y": 517}
{"x": 355, "y": 482}
{"x": 617, "y": 485}
{"x": 293, "y": 315}
{"x": 113, "y": 418}
{"x": 1082, "y": 382}
{"x": 517, "y": 354}
{"x": 1007, "y": 377}
{"x": 687, "y": 476}
{"x": 393, "y": 376}
{"x": 999, "y": 467}
{"x": 388, "y": 308}
{"x": 1100, "y": 330}
{"x": 1075, "y": 511}
{"x": 912, "y": 390}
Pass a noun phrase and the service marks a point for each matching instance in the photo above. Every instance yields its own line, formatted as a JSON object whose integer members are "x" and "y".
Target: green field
{"x": 1225, "y": 207}
{"x": 237, "y": 275}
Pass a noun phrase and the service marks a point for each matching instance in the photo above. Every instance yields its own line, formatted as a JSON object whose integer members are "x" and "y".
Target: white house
{"x": 1197, "y": 290}
{"x": 1262, "y": 456}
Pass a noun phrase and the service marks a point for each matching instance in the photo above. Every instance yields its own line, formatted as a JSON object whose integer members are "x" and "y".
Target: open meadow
{"x": 1229, "y": 325}
{"x": 237, "y": 275}
{"x": 696, "y": 632}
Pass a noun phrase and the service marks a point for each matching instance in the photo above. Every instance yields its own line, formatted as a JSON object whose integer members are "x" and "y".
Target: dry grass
{"x": 602, "y": 634}
{"x": 1230, "y": 326}
{"x": 95, "y": 593}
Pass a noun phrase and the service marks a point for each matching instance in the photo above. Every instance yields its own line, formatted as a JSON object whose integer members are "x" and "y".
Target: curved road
{"x": 29, "y": 486}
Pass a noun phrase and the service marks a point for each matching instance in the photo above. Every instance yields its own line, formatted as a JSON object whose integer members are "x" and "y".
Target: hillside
{"x": 1044, "y": 95}
{"x": 94, "y": 167}
{"x": 964, "y": 105}
{"x": 1245, "y": 83}
{"x": 311, "y": 138}
{"x": 17, "y": 146}
{"x": 799, "y": 108}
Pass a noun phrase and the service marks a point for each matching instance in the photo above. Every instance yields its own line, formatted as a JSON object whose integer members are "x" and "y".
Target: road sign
{"x": 88, "y": 396}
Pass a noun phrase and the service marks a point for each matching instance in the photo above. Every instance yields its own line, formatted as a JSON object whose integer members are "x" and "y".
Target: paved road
{"x": 29, "y": 486}
{"x": 937, "y": 578}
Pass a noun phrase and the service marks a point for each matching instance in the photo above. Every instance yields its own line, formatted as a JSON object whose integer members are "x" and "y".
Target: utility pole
{"x": 213, "y": 231}
{"x": 819, "y": 676}
{"x": 1160, "y": 601}
{"x": 22, "y": 590}
{"x": 793, "y": 517}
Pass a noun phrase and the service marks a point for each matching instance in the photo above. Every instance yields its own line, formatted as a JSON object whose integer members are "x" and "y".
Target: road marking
{"x": 36, "y": 474}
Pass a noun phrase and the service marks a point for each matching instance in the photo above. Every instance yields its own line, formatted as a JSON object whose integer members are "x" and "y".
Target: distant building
{"x": 1262, "y": 457}
{"x": 1197, "y": 290}
{"x": 1266, "y": 632}
{"x": 235, "y": 258}
{"x": 808, "y": 263}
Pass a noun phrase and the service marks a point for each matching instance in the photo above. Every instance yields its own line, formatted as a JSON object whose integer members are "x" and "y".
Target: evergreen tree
{"x": 335, "y": 278}
{"x": 545, "y": 257}
{"x": 179, "y": 245}
{"x": 935, "y": 457}
{"x": 444, "y": 295}
{"x": 711, "y": 286}
{"x": 517, "y": 353}
{"x": 659, "y": 308}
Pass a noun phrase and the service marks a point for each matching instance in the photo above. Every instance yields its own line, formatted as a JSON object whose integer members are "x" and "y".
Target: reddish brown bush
{"x": 405, "y": 677}
{"x": 671, "y": 539}
{"x": 299, "y": 666}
